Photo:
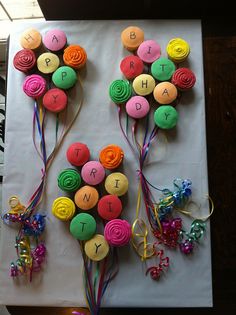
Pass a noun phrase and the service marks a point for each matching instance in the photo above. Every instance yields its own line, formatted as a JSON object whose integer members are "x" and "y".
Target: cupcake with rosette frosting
{"x": 34, "y": 86}
{"x": 120, "y": 91}
{"x": 24, "y": 60}
{"x": 178, "y": 49}
{"x": 111, "y": 156}
{"x": 75, "y": 56}
{"x": 117, "y": 232}
{"x": 184, "y": 79}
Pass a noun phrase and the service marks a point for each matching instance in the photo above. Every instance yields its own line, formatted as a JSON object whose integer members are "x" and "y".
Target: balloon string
{"x": 123, "y": 132}
{"x": 97, "y": 276}
{"x": 38, "y": 119}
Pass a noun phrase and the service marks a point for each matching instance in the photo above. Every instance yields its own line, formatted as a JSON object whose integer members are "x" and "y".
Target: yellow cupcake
{"x": 63, "y": 208}
{"x": 96, "y": 248}
{"x": 178, "y": 49}
{"x": 144, "y": 84}
{"x": 48, "y": 62}
{"x": 116, "y": 184}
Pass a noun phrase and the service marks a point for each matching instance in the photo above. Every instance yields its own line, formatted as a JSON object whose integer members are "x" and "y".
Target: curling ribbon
{"x": 189, "y": 213}
{"x": 196, "y": 232}
{"x": 19, "y": 213}
{"x": 155, "y": 271}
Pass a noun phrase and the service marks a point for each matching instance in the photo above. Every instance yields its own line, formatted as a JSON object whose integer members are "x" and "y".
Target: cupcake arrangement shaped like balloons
{"x": 93, "y": 206}
{"x": 51, "y": 69}
{"x": 149, "y": 92}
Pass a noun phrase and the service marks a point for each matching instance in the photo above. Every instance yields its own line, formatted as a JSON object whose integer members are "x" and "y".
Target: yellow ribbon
{"x": 139, "y": 230}
{"x": 15, "y": 205}
{"x": 156, "y": 209}
{"x": 189, "y": 213}
{"x": 25, "y": 252}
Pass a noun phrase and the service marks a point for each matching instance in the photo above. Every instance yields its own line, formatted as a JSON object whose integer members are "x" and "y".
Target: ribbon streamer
{"x": 32, "y": 225}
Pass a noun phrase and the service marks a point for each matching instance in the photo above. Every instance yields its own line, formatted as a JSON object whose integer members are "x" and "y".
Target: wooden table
{"x": 220, "y": 89}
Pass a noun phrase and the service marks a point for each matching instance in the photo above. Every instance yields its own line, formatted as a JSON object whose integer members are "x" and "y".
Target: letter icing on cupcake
{"x": 131, "y": 65}
{"x": 97, "y": 247}
{"x": 93, "y": 172}
{"x": 132, "y": 35}
{"x": 116, "y": 183}
{"x": 138, "y": 106}
{"x": 54, "y": 98}
{"x": 86, "y": 198}
{"x": 55, "y": 38}
{"x": 167, "y": 114}
{"x": 83, "y": 224}
{"x": 63, "y": 75}
{"x": 47, "y": 60}
{"x": 29, "y": 37}
{"x": 165, "y": 92}
{"x": 144, "y": 84}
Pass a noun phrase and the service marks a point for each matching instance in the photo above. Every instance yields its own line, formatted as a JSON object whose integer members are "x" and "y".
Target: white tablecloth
{"x": 188, "y": 281}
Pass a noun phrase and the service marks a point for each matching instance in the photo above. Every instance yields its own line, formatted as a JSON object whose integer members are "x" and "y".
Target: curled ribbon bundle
{"x": 169, "y": 234}
{"x": 178, "y": 198}
{"x": 155, "y": 271}
{"x": 28, "y": 260}
{"x": 196, "y": 232}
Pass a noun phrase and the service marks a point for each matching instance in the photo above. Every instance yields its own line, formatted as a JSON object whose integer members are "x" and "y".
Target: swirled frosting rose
{"x": 120, "y": 91}
{"x": 34, "y": 85}
{"x": 24, "y": 60}
{"x": 75, "y": 56}
{"x": 111, "y": 156}
{"x": 183, "y": 79}
{"x": 178, "y": 49}
{"x": 117, "y": 232}
{"x": 69, "y": 180}
{"x": 63, "y": 208}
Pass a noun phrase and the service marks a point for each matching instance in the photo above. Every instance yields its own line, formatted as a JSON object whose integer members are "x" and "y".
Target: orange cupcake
{"x": 75, "y": 56}
{"x": 111, "y": 156}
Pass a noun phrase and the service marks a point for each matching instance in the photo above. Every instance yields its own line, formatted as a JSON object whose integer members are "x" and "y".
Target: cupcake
{"x": 118, "y": 232}
{"x": 120, "y": 91}
{"x": 144, "y": 84}
{"x": 63, "y": 208}
{"x": 116, "y": 184}
{"x": 162, "y": 69}
{"x": 24, "y": 60}
{"x": 31, "y": 39}
{"x": 34, "y": 86}
{"x": 69, "y": 180}
{"x": 178, "y": 49}
{"x": 55, "y": 40}
{"x": 64, "y": 77}
{"x": 48, "y": 62}
{"x": 111, "y": 156}
{"x": 131, "y": 66}
{"x": 75, "y": 56}
{"x": 55, "y": 100}
{"x": 165, "y": 93}
{"x": 149, "y": 51}
{"x": 78, "y": 154}
{"x": 132, "y": 37}
{"x": 184, "y": 79}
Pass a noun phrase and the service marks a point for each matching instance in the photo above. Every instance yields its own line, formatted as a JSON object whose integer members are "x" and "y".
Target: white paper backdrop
{"x": 188, "y": 281}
